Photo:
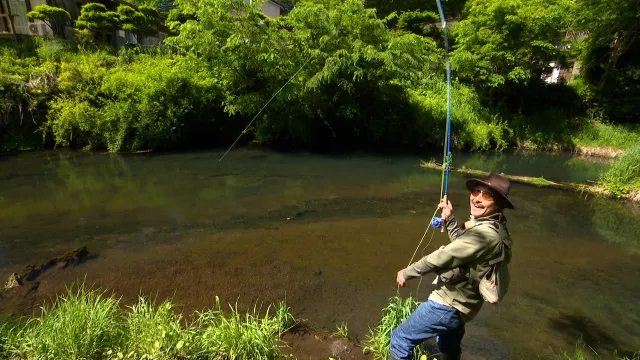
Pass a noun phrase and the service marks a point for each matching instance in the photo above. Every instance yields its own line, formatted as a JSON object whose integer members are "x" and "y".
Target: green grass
{"x": 80, "y": 325}
{"x": 240, "y": 337}
{"x": 624, "y": 174}
{"x": 581, "y": 354}
{"x": 88, "y": 324}
{"x": 154, "y": 332}
{"x": 604, "y": 135}
{"x": 379, "y": 339}
{"x": 342, "y": 331}
{"x": 541, "y": 181}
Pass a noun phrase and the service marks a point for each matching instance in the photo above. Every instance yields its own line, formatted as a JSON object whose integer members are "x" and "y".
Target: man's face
{"x": 481, "y": 202}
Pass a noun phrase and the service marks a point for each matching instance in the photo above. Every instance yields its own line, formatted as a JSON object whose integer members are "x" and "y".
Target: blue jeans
{"x": 428, "y": 320}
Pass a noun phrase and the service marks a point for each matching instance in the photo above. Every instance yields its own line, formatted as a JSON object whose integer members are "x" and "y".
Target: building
{"x": 13, "y": 19}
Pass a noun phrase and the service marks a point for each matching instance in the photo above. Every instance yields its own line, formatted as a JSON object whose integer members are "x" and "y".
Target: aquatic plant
{"x": 540, "y": 181}
{"x": 240, "y": 337}
{"x": 379, "y": 339}
{"x": 342, "y": 331}
{"x": 82, "y": 324}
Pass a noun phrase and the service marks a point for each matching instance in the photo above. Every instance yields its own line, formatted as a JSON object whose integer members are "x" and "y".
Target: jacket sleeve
{"x": 452, "y": 227}
{"x": 470, "y": 246}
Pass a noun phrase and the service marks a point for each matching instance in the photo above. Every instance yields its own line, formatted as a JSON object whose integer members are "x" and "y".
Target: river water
{"x": 328, "y": 233}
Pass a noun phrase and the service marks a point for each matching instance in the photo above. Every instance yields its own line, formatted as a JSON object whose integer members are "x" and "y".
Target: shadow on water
{"x": 577, "y": 326}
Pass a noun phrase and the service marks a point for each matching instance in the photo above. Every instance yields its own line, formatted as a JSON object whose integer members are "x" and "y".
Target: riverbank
{"x": 91, "y": 323}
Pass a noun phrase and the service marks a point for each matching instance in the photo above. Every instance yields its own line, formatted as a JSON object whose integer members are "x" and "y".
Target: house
{"x": 13, "y": 19}
{"x": 558, "y": 73}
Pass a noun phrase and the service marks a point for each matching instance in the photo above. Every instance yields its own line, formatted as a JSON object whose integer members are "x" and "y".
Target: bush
{"x": 624, "y": 174}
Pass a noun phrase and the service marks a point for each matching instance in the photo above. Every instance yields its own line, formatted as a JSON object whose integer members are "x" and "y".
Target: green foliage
{"x": 140, "y": 104}
{"x": 95, "y": 17}
{"x": 610, "y": 56}
{"x": 142, "y": 22}
{"x": 624, "y": 174}
{"x": 606, "y": 135}
{"x": 80, "y": 325}
{"x": 89, "y": 325}
{"x": 379, "y": 339}
{"x": 423, "y": 23}
{"x": 509, "y": 41}
{"x": 240, "y": 337}
{"x": 50, "y": 15}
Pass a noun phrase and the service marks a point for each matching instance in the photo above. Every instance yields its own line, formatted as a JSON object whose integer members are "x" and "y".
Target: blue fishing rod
{"x": 437, "y": 221}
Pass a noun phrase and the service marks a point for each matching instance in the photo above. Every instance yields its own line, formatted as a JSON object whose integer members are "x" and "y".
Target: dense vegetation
{"x": 90, "y": 324}
{"x": 367, "y": 75}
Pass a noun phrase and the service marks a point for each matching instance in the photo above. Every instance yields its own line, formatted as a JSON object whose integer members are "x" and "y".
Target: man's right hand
{"x": 446, "y": 207}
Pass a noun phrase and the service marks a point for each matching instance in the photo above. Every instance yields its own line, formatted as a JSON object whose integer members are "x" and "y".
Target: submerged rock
{"x": 13, "y": 281}
{"x": 339, "y": 348}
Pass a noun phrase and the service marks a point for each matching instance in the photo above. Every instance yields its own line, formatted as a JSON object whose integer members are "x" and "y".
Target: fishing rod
{"x": 438, "y": 221}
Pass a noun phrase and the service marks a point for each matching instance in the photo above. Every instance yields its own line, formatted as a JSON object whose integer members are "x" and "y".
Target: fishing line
{"x": 265, "y": 105}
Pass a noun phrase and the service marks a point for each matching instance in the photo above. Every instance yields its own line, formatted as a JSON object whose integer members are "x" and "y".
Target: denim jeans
{"x": 428, "y": 320}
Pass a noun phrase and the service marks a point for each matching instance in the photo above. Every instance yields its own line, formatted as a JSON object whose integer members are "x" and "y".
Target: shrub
{"x": 624, "y": 173}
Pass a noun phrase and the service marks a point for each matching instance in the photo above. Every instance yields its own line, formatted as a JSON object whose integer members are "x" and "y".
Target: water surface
{"x": 326, "y": 232}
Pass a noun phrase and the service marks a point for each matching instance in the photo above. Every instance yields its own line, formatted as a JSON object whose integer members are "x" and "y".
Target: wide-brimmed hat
{"x": 499, "y": 184}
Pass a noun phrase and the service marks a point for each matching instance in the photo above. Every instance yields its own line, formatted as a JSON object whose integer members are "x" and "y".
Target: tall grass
{"x": 624, "y": 174}
{"x": 240, "y": 337}
{"x": 154, "y": 332}
{"x": 87, "y": 324}
{"x": 379, "y": 339}
{"x": 80, "y": 325}
{"x": 604, "y": 135}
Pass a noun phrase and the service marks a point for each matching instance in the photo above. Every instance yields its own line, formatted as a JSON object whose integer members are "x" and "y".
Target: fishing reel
{"x": 436, "y": 222}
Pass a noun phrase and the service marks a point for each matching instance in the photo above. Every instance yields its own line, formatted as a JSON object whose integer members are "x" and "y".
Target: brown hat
{"x": 498, "y": 183}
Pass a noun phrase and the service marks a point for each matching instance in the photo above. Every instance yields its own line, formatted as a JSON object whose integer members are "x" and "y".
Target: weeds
{"x": 541, "y": 181}
{"x": 342, "y": 331}
{"x": 624, "y": 174}
{"x": 80, "y": 325}
{"x": 87, "y": 324}
{"x": 234, "y": 337}
{"x": 379, "y": 339}
{"x": 154, "y": 332}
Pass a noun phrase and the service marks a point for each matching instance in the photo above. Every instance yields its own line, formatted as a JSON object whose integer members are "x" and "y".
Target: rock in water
{"x": 13, "y": 281}
{"x": 339, "y": 348}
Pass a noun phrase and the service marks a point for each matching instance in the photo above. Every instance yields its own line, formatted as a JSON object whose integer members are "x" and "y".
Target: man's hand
{"x": 447, "y": 208}
{"x": 400, "y": 278}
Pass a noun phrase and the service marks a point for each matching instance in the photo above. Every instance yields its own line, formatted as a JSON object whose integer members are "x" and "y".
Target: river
{"x": 328, "y": 233}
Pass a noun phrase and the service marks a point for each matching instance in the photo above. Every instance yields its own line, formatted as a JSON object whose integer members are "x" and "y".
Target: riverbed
{"x": 328, "y": 233}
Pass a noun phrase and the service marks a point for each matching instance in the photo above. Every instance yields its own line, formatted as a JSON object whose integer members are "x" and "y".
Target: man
{"x": 460, "y": 265}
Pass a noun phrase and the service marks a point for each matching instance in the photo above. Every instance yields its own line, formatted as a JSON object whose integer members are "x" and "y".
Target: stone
{"x": 13, "y": 281}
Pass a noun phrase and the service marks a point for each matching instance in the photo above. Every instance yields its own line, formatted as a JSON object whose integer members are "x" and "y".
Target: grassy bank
{"x": 86, "y": 324}
{"x": 90, "y": 324}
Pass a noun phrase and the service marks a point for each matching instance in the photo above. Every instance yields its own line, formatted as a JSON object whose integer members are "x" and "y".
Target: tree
{"x": 95, "y": 17}
{"x": 509, "y": 41}
{"x": 610, "y": 56}
{"x": 352, "y": 76}
{"x": 53, "y": 16}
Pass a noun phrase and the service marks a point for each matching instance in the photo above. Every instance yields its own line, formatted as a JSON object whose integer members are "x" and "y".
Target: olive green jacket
{"x": 461, "y": 264}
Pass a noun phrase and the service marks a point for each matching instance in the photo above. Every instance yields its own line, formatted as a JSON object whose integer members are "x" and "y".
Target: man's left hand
{"x": 400, "y": 278}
